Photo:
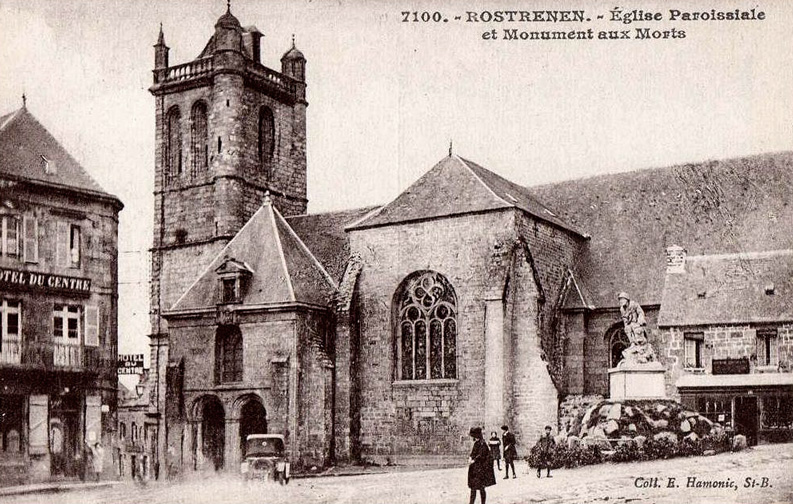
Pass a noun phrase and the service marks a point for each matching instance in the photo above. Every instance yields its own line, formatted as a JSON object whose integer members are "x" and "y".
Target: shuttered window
{"x": 62, "y": 244}
{"x": 30, "y": 227}
{"x": 91, "y": 326}
{"x": 37, "y": 424}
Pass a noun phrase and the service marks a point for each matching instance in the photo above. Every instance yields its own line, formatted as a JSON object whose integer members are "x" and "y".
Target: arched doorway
{"x": 617, "y": 342}
{"x": 253, "y": 420}
{"x": 213, "y": 432}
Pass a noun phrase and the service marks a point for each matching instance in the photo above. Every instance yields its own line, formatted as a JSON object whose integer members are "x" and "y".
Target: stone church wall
{"x": 539, "y": 373}
{"x": 433, "y": 416}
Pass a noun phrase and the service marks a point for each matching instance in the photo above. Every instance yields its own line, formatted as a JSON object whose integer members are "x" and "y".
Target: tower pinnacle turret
{"x": 161, "y": 51}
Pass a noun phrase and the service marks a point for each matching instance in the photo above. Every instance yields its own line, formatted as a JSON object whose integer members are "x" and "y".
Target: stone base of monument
{"x": 637, "y": 381}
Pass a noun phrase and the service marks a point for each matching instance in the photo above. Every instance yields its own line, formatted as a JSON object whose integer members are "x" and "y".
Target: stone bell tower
{"x": 227, "y": 130}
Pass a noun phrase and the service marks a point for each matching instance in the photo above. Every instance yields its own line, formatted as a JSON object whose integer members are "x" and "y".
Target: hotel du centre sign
{"x": 32, "y": 280}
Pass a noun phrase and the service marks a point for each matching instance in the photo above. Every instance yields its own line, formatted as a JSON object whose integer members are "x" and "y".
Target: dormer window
{"x": 230, "y": 290}
{"x": 233, "y": 277}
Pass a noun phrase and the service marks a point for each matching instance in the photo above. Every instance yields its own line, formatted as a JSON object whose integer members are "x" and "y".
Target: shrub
{"x": 562, "y": 456}
{"x": 690, "y": 447}
{"x": 718, "y": 441}
{"x": 659, "y": 448}
{"x": 627, "y": 452}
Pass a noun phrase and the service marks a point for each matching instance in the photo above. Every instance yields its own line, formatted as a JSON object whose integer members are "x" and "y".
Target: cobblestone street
{"x": 606, "y": 483}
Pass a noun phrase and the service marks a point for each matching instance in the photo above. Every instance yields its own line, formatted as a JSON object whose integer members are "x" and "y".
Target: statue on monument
{"x": 635, "y": 325}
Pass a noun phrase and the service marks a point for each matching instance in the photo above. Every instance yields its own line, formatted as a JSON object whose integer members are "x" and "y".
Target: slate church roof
{"x": 283, "y": 270}
{"x": 25, "y": 146}
{"x": 716, "y": 207}
{"x": 456, "y": 186}
{"x": 746, "y": 288}
{"x": 323, "y": 233}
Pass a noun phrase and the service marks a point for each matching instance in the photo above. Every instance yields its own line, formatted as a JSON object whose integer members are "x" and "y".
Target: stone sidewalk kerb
{"x": 335, "y": 471}
{"x": 54, "y": 487}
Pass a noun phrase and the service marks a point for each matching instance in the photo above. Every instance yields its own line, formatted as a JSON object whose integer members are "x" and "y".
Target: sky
{"x": 386, "y": 97}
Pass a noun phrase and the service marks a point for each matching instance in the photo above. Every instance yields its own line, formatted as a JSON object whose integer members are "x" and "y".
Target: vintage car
{"x": 265, "y": 458}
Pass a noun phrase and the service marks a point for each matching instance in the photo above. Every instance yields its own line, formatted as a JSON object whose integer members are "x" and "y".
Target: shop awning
{"x": 735, "y": 380}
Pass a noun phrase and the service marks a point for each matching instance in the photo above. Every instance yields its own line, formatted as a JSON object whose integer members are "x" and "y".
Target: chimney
{"x": 675, "y": 259}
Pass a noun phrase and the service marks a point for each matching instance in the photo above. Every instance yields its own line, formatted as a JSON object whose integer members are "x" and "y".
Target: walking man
{"x": 510, "y": 452}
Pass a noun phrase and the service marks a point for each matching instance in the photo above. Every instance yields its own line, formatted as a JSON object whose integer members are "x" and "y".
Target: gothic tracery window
{"x": 426, "y": 334}
{"x": 173, "y": 147}
{"x": 199, "y": 138}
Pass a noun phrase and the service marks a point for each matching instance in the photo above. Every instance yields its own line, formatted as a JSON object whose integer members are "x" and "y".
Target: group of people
{"x": 480, "y": 464}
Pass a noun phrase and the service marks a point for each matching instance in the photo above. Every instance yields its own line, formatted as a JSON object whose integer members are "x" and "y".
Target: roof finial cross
{"x": 24, "y": 100}
{"x": 228, "y": 5}
{"x": 293, "y": 40}
{"x": 450, "y": 147}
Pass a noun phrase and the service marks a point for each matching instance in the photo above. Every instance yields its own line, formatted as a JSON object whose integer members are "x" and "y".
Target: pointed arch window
{"x": 228, "y": 363}
{"x": 618, "y": 341}
{"x": 199, "y": 140}
{"x": 266, "y": 139}
{"x": 426, "y": 329}
{"x": 173, "y": 146}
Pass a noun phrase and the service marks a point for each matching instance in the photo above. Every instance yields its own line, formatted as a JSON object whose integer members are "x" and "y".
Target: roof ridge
{"x": 644, "y": 170}
{"x": 368, "y": 215}
{"x": 9, "y": 117}
{"x": 479, "y": 179}
{"x": 763, "y": 254}
{"x": 328, "y": 212}
{"x": 281, "y": 252}
{"x": 305, "y": 249}
{"x": 219, "y": 254}
{"x": 543, "y": 212}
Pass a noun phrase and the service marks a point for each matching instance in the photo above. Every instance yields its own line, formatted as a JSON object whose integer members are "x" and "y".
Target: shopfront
{"x": 759, "y": 406}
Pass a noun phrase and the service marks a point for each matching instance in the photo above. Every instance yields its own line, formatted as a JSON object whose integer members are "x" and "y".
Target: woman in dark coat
{"x": 480, "y": 467}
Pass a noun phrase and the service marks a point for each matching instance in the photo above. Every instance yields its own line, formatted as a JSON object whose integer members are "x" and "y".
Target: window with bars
{"x": 693, "y": 349}
{"x": 426, "y": 329}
